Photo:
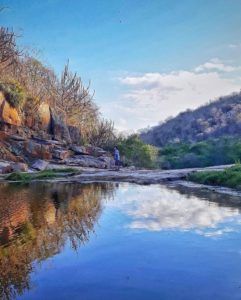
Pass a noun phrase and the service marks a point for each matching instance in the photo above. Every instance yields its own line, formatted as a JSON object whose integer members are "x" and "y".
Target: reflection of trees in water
{"x": 37, "y": 220}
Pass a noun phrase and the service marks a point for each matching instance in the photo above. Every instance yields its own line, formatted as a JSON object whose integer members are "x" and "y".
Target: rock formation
{"x": 43, "y": 135}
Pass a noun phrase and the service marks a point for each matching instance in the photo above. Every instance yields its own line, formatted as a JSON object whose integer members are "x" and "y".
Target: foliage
{"x": 9, "y": 51}
{"x": 67, "y": 96}
{"x": 225, "y": 150}
{"x": 214, "y": 120}
{"x": 230, "y": 177}
{"x": 13, "y": 93}
{"x": 101, "y": 134}
{"x": 135, "y": 152}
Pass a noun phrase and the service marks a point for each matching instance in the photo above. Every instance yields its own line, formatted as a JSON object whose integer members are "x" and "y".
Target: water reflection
{"x": 159, "y": 208}
{"x": 36, "y": 221}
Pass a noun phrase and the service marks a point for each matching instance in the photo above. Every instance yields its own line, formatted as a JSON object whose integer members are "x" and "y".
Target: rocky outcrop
{"x": 89, "y": 161}
{"x": 8, "y": 114}
{"x": 58, "y": 128}
{"x": 43, "y": 136}
{"x": 38, "y": 149}
{"x": 39, "y": 165}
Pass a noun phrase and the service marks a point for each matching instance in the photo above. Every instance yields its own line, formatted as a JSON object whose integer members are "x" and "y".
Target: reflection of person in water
{"x": 56, "y": 202}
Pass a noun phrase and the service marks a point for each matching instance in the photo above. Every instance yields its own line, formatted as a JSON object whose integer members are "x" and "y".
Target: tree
{"x": 9, "y": 52}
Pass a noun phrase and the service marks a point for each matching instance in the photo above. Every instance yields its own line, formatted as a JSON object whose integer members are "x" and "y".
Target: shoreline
{"x": 142, "y": 177}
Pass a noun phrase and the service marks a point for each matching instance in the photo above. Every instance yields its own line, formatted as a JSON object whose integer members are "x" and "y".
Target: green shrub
{"x": 230, "y": 177}
{"x": 46, "y": 174}
{"x": 18, "y": 176}
{"x": 13, "y": 93}
{"x": 135, "y": 152}
{"x": 226, "y": 150}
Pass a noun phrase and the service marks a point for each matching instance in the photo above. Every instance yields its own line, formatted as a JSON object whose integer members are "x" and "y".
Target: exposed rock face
{"x": 95, "y": 151}
{"x": 79, "y": 150}
{"x": 58, "y": 128}
{"x": 40, "y": 165}
{"x": 88, "y": 161}
{"x": 20, "y": 167}
{"x": 37, "y": 149}
{"x": 45, "y": 136}
{"x": 5, "y": 167}
{"x": 74, "y": 135}
{"x": 61, "y": 154}
{"x": 8, "y": 114}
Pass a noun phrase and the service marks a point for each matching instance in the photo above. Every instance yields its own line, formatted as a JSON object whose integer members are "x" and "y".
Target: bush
{"x": 230, "y": 177}
{"x": 220, "y": 151}
{"x": 13, "y": 93}
{"x": 135, "y": 152}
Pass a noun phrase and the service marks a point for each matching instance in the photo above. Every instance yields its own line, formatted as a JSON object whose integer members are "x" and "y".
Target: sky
{"x": 147, "y": 60}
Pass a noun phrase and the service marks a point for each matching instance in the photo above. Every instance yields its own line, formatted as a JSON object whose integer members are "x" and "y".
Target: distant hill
{"x": 216, "y": 119}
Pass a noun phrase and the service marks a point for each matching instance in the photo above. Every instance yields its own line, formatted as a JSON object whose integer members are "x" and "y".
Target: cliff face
{"x": 24, "y": 137}
{"x": 44, "y": 135}
{"x": 219, "y": 118}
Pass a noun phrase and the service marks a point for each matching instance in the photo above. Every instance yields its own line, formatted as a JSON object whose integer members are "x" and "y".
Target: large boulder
{"x": 8, "y": 114}
{"x": 61, "y": 154}
{"x": 79, "y": 149}
{"x": 86, "y": 161}
{"x": 38, "y": 149}
{"x": 74, "y": 135}
{"x": 19, "y": 167}
{"x": 95, "y": 151}
{"x": 5, "y": 167}
{"x": 40, "y": 165}
{"x": 58, "y": 127}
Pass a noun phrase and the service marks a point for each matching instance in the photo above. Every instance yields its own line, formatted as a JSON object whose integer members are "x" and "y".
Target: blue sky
{"x": 147, "y": 60}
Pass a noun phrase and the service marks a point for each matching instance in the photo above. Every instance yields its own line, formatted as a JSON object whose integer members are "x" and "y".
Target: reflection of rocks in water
{"x": 37, "y": 220}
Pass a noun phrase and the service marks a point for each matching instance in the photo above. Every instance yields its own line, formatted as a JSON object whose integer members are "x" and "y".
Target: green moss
{"x": 230, "y": 177}
{"x": 46, "y": 174}
{"x": 13, "y": 93}
{"x": 18, "y": 176}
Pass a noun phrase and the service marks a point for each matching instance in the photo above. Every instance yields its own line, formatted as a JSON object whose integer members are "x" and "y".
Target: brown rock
{"x": 86, "y": 161}
{"x": 44, "y": 116}
{"x": 61, "y": 154}
{"x": 8, "y": 114}
{"x": 38, "y": 149}
{"x": 20, "y": 167}
{"x": 79, "y": 149}
{"x": 58, "y": 127}
{"x": 95, "y": 151}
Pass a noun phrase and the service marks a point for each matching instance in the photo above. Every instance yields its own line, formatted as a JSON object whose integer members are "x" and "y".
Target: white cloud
{"x": 170, "y": 210}
{"x": 234, "y": 46}
{"x": 218, "y": 65}
{"x": 152, "y": 97}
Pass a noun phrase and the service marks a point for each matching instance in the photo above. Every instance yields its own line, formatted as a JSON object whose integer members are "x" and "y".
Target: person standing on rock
{"x": 117, "y": 157}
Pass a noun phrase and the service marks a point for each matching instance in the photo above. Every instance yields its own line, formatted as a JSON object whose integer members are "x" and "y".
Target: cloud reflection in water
{"x": 156, "y": 208}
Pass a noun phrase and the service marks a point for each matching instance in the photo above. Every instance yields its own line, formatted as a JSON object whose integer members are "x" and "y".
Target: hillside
{"x": 214, "y": 120}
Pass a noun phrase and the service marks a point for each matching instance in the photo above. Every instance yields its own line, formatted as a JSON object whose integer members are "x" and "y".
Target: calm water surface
{"x": 118, "y": 241}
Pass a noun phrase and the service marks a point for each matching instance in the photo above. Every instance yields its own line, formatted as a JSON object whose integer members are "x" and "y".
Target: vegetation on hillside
{"x": 214, "y": 120}
{"x": 230, "y": 177}
{"x": 226, "y": 150}
{"x": 27, "y": 83}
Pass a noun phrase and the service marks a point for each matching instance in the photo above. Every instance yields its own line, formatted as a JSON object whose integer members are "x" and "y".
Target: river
{"x": 118, "y": 241}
